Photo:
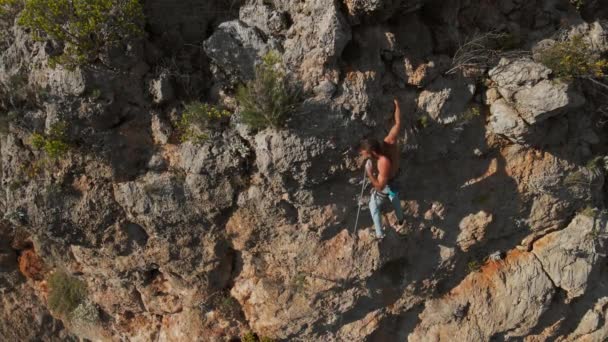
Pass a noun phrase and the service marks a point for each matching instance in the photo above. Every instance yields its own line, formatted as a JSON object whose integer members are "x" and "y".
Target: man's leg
{"x": 394, "y": 197}
{"x": 374, "y": 208}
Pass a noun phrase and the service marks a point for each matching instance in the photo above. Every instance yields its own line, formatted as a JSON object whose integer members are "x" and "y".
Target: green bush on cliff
{"x": 251, "y": 337}
{"x": 578, "y": 4}
{"x": 269, "y": 99}
{"x": 197, "y": 119}
{"x": 66, "y": 293}
{"x": 84, "y": 27}
{"x": 573, "y": 58}
{"x": 55, "y": 144}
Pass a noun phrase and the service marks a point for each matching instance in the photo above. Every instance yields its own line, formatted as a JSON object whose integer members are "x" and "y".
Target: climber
{"x": 384, "y": 186}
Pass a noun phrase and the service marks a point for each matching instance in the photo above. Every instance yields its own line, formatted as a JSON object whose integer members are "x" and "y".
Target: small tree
{"x": 269, "y": 99}
{"x": 84, "y": 27}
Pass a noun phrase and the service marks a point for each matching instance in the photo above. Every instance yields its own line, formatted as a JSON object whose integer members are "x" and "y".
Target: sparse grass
{"x": 198, "y": 119}
{"x": 589, "y": 212}
{"x": 55, "y": 144}
{"x": 66, "y": 293}
{"x": 252, "y": 337}
{"x": 95, "y": 94}
{"x": 578, "y": 4}
{"x": 249, "y": 337}
{"x": 470, "y": 114}
{"x": 473, "y": 266}
{"x": 597, "y": 164}
{"x": 224, "y": 303}
{"x": 270, "y": 98}
{"x": 573, "y": 58}
{"x": 423, "y": 121}
{"x": 32, "y": 170}
{"x": 299, "y": 283}
{"x": 576, "y": 178}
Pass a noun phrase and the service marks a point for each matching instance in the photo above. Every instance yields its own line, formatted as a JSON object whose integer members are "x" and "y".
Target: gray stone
{"x": 161, "y": 89}
{"x": 570, "y": 256}
{"x": 161, "y": 129}
{"x": 261, "y": 15}
{"x": 325, "y": 89}
{"x": 445, "y": 99}
{"x": 511, "y": 76}
{"x": 546, "y": 99}
{"x": 505, "y": 121}
{"x": 236, "y": 48}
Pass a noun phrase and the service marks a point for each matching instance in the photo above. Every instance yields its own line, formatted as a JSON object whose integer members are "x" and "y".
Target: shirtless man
{"x": 384, "y": 186}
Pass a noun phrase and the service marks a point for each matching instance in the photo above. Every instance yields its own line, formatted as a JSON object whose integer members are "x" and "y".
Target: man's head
{"x": 370, "y": 148}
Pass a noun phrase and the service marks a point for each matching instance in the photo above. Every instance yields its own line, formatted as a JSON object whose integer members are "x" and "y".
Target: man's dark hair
{"x": 371, "y": 145}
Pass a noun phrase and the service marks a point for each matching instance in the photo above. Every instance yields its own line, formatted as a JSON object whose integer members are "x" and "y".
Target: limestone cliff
{"x": 503, "y": 179}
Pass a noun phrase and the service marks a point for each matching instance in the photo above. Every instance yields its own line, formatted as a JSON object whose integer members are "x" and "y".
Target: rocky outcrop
{"x": 254, "y": 230}
{"x": 569, "y": 256}
{"x": 444, "y": 100}
{"x": 508, "y": 297}
{"x": 236, "y": 48}
{"x": 505, "y": 298}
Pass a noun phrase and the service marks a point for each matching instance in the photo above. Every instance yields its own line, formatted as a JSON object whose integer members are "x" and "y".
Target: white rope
{"x": 360, "y": 199}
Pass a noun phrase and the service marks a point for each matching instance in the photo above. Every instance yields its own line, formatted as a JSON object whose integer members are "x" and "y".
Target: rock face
{"x": 529, "y": 98}
{"x": 502, "y": 180}
{"x": 505, "y": 298}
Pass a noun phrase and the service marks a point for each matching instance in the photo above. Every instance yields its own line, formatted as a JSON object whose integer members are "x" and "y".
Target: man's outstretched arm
{"x": 393, "y": 134}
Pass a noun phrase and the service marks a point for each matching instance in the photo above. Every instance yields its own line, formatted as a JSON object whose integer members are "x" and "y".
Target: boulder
{"x": 570, "y": 257}
{"x": 473, "y": 229}
{"x": 445, "y": 99}
{"x": 236, "y": 48}
{"x": 161, "y": 89}
{"x": 315, "y": 41}
{"x": 505, "y": 121}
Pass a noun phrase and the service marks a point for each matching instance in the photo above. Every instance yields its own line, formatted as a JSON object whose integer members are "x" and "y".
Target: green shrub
{"x": 55, "y": 144}
{"x": 252, "y": 337}
{"x": 578, "y": 4}
{"x": 65, "y": 293}
{"x": 597, "y": 164}
{"x": 249, "y": 337}
{"x": 423, "y": 121}
{"x": 577, "y": 178}
{"x": 473, "y": 266}
{"x": 197, "y": 119}
{"x": 270, "y": 98}
{"x": 470, "y": 114}
{"x": 85, "y": 27}
{"x": 589, "y": 211}
{"x": 573, "y": 58}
